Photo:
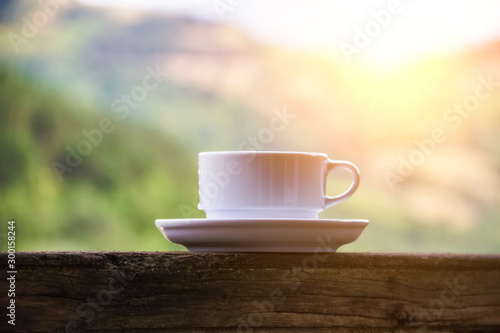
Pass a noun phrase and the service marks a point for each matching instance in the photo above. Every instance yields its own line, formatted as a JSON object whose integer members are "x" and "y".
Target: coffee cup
{"x": 268, "y": 184}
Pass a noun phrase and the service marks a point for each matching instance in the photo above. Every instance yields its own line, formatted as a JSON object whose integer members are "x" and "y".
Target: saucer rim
{"x": 261, "y": 222}
{"x": 264, "y": 219}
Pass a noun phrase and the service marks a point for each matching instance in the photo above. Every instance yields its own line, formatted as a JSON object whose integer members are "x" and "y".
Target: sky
{"x": 383, "y": 33}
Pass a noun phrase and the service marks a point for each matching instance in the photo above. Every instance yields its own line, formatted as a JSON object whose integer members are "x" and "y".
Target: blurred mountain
{"x": 6, "y": 7}
{"x": 218, "y": 89}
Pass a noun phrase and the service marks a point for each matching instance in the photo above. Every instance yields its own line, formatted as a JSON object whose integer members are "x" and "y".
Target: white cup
{"x": 261, "y": 184}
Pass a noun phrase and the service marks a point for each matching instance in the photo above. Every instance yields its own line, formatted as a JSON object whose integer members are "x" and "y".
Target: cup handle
{"x": 332, "y": 165}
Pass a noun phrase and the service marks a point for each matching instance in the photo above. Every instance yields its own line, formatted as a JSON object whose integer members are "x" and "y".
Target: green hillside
{"x": 108, "y": 201}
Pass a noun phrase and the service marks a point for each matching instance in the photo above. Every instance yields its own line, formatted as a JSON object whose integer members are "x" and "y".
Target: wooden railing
{"x": 252, "y": 292}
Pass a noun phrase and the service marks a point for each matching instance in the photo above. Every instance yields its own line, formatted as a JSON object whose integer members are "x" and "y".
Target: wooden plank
{"x": 238, "y": 292}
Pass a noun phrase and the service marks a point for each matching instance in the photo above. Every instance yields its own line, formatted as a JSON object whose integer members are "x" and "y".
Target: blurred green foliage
{"x": 109, "y": 201}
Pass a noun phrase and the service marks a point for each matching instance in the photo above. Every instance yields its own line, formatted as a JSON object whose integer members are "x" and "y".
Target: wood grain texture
{"x": 246, "y": 292}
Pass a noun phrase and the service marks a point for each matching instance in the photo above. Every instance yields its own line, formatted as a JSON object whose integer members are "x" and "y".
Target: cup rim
{"x": 257, "y": 152}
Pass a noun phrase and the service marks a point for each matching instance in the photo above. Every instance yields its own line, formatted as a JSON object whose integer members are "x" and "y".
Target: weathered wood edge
{"x": 338, "y": 260}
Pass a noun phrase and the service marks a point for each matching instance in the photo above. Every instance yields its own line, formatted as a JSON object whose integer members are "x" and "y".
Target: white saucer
{"x": 261, "y": 235}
